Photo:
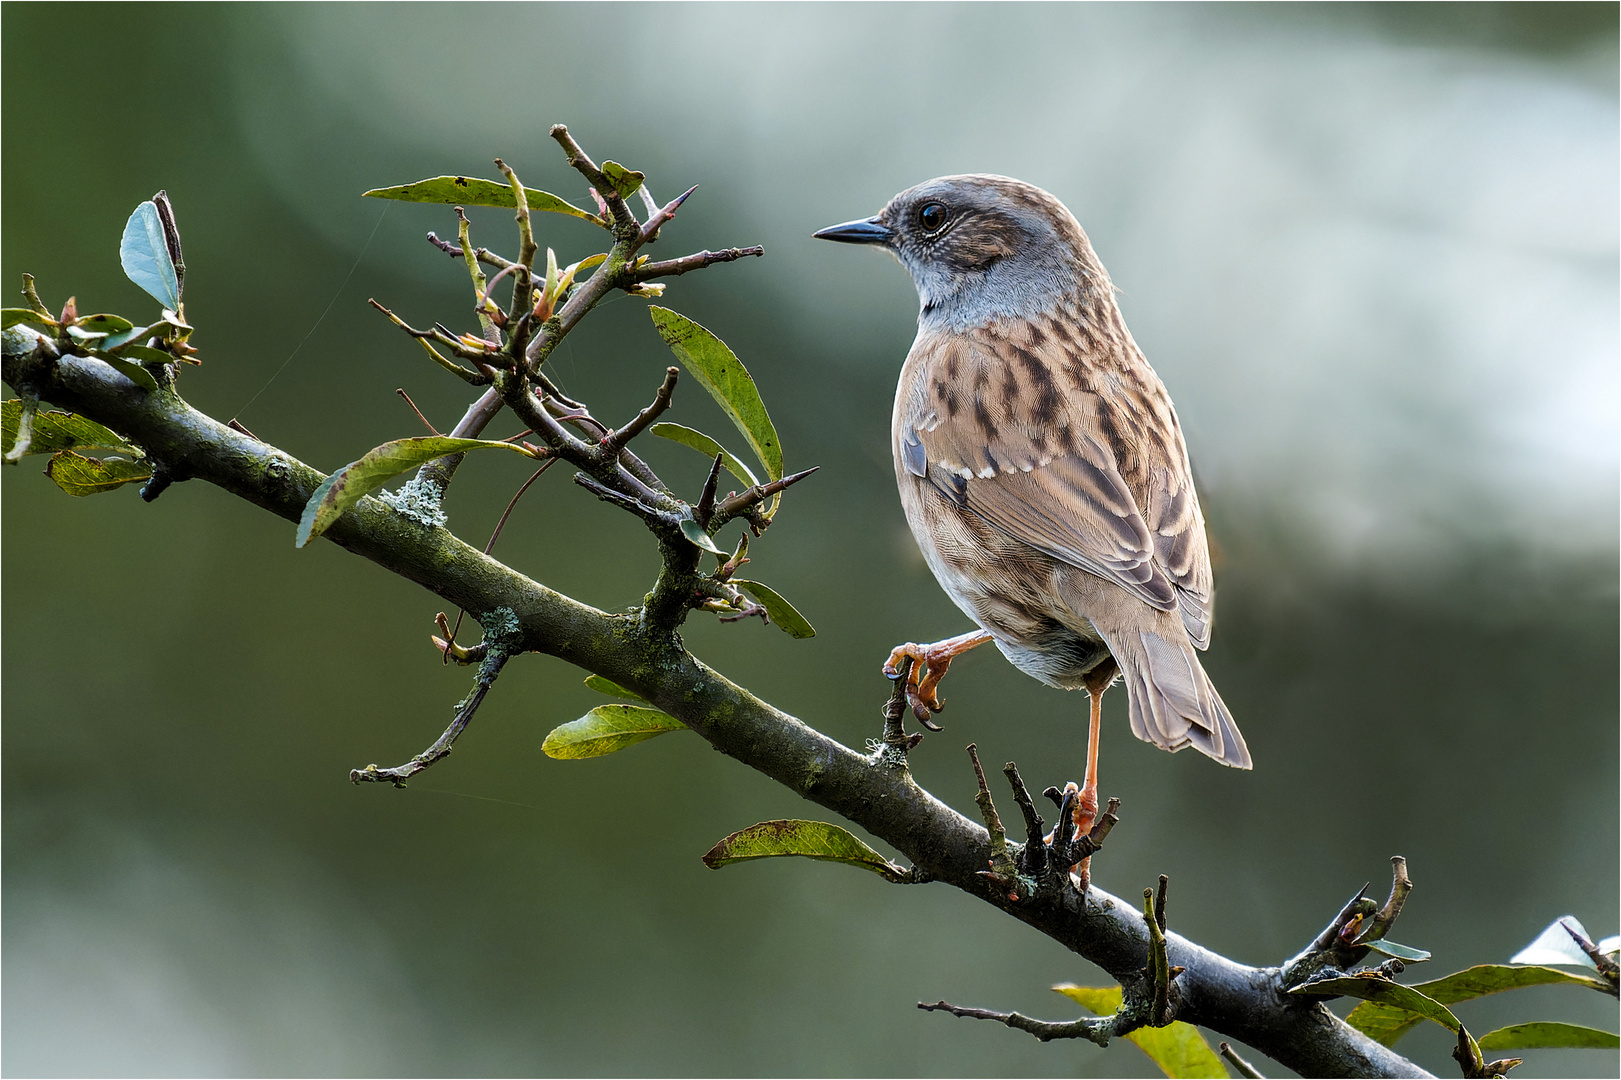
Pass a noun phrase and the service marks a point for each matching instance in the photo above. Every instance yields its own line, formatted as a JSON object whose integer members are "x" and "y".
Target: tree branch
{"x": 645, "y": 655}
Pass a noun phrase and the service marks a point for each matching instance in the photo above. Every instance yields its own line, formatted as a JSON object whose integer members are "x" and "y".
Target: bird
{"x": 1043, "y": 470}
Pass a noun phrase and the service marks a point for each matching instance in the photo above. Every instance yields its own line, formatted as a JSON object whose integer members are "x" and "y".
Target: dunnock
{"x": 1042, "y": 468}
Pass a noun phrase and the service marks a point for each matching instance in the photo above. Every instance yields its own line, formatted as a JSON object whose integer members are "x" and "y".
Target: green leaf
{"x": 781, "y": 611}
{"x": 132, "y": 371}
{"x": 611, "y": 688}
{"x": 349, "y": 484}
{"x": 54, "y": 431}
{"x": 706, "y": 446}
{"x": 1400, "y": 952}
{"x": 1385, "y": 992}
{"x": 79, "y": 475}
{"x": 1178, "y": 1049}
{"x": 470, "y": 191}
{"x": 145, "y": 255}
{"x": 15, "y": 315}
{"x": 727, "y": 380}
{"x": 1548, "y": 1035}
{"x": 1386, "y": 1023}
{"x": 144, "y": 353}
{"x": 605, "y": 729}
{"x": 807, "y": 839}
{"x": 625, "y": 181}
{"x": 695, "y": 533}
{"x": 105, "y": 324}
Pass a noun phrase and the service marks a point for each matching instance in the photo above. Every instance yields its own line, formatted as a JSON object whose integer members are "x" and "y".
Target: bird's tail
{"x": 1173, "y": 704}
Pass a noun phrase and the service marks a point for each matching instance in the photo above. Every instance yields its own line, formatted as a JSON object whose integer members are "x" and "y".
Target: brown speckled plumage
{"x": 1040, "y": 462}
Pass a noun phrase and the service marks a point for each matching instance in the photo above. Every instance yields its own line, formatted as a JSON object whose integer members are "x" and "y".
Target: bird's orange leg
{"x": 929, "y": 665}
{"x": 1086, "y": 806}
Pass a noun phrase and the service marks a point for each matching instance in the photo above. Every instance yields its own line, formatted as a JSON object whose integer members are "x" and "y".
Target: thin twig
{"x": 1035, "y": 848}
{"x": 1244, "y": 1068}
{"x": 582, "y": 163}
{"x": 1098, "y": 1029}
{"x": 648, "y": 271}
{"x": 1159, "y": 966}
{"x": 400, "y": 390}
{"x": 493, "y": 662}
{"x": 650, "y": 514}
{"x": 613, "y": 442}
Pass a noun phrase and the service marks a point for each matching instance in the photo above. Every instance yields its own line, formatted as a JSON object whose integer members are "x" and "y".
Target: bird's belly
{"x": 1006, "y": 587}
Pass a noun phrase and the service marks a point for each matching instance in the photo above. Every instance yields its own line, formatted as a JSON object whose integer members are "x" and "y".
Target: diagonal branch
{"x": 645, "y": 655}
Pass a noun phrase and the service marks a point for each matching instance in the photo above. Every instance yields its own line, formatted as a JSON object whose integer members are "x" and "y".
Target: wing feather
{"x": 1042, "y": 445}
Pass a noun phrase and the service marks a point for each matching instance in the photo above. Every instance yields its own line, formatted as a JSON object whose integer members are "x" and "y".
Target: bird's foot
{"x": 929, "y": 664}
{"x": 1080, "y": 831}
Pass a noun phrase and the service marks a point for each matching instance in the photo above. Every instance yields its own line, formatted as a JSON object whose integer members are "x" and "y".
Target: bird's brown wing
{"x": 1083, "y": 462}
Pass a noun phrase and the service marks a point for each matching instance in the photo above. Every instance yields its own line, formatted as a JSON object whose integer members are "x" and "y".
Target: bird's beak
{"x": 866, "y": 231}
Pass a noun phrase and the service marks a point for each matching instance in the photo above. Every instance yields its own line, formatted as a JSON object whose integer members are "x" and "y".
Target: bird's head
{"x": 981, "y": 247}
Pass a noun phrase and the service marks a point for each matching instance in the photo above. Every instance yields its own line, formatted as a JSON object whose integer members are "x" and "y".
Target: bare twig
{"x": 1159, "y": 966}
{"x": 494, "y": 660}
{"x": 612, "y": 443}
{"x": 648, "y": 271}
{"x": 1382, "y": 920}
{"x": 650, "y": 514}
{"x": 582, "y": 163}
{"x": 400, "y": 390}
{"x": 1098, "y": 1029}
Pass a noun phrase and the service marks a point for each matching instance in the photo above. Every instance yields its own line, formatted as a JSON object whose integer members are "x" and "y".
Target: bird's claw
{"x": 929, "y": 664}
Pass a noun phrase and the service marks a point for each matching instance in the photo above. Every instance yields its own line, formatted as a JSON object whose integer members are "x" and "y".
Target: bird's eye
{"x": 933, "y": 216}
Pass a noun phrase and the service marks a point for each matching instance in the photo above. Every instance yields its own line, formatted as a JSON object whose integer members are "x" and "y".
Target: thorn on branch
{"x": 705, "y": 507}
{"x": 494, "y": 660}
{"x": 1097, "y": 1029}
{"x": 737, "y": 505}
{"x": 656, "y": 215}
{"x": 1601, "y": 960}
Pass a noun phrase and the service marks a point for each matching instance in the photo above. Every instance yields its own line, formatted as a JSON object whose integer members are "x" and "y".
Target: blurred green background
{"x": 1371, "y": 251}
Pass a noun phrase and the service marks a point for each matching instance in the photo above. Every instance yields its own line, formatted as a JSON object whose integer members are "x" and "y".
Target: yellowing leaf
{"x": 1178, "y": 1049}
{"x": 79, "y": 475}
{"x": 605, "y": 729}
{"x": 55, "y": 431}
{"x": 807, "y": 839}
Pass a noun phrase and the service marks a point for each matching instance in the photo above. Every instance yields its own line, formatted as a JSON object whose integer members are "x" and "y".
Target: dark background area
{"x": 1371, "y": 250}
